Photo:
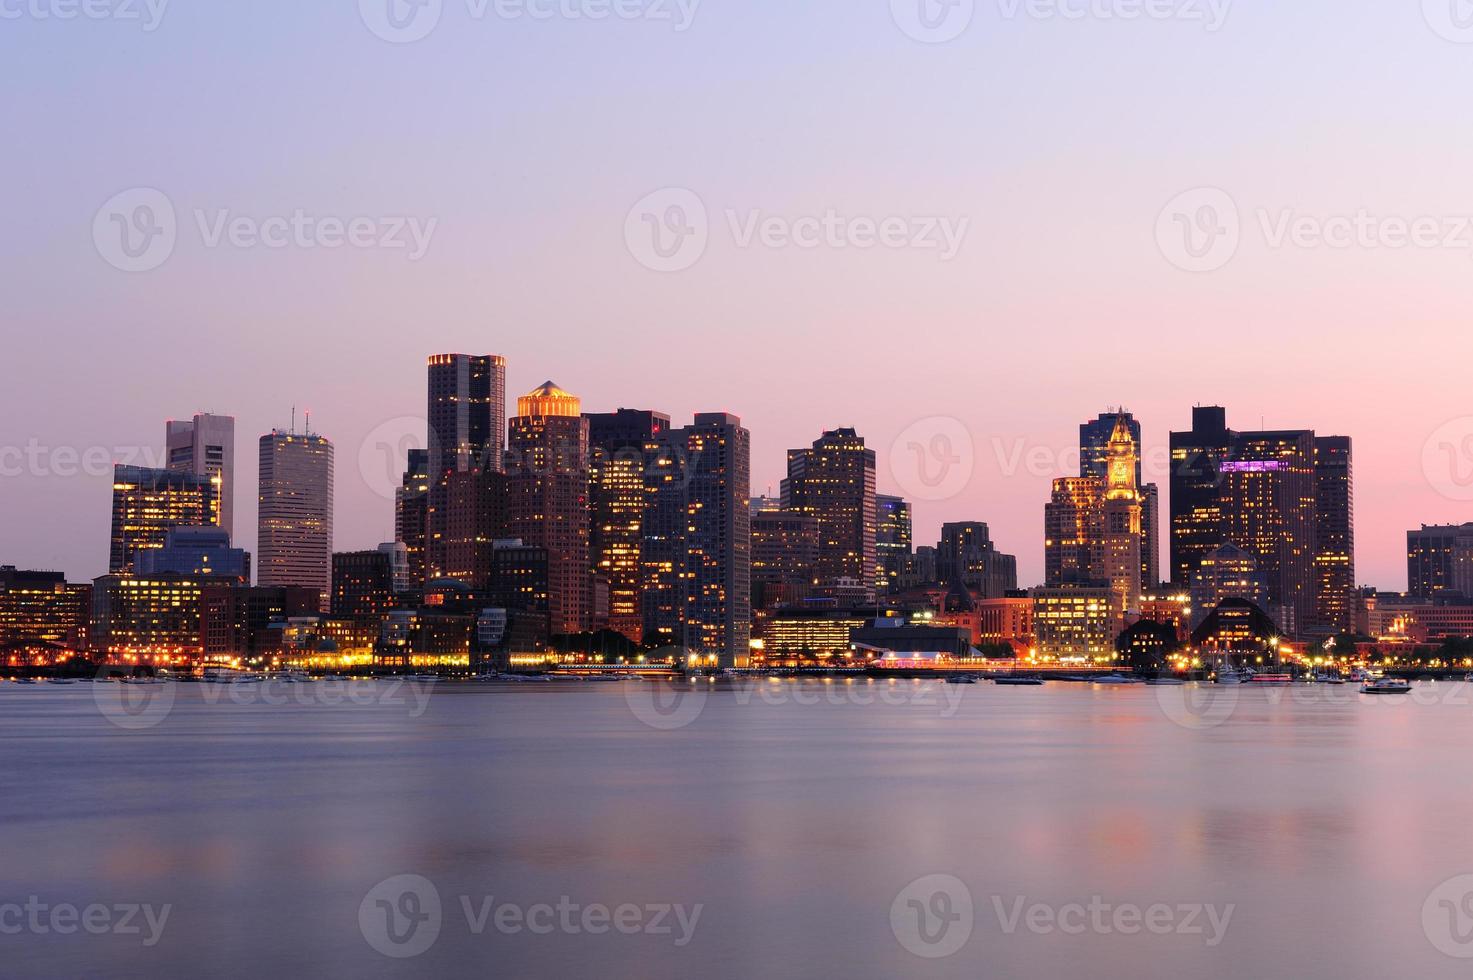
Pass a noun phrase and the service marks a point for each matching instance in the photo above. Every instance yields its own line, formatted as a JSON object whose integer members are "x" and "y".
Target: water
{"x": 794, "y": 814}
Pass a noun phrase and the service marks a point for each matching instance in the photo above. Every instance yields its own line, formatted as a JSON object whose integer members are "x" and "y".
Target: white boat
{"x": 1231, "y": 676}
{"x": 1117, "y": 679}
{"x": 425, "y": 678}
{"x": 25, "y": 680}
{"x": 60, "y": 680}
{"x": 1387, "y": 685}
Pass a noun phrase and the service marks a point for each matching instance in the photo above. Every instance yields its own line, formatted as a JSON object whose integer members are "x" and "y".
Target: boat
{"x": 1117, "y": 679}
{"x": 25, "y": 680}
{"x": 1272, "y": 680}
{"x": 60, "y": 680}
{"x": 1231, "y": 676}
{"x": 1387, "y": 685}
{"x": 1359, "y": 676}
{"x": 1321, "y": 677}
{"x": 1019, "y": 681}
{"x": 961, "y": 679}
{"x": 1166, "y": 682}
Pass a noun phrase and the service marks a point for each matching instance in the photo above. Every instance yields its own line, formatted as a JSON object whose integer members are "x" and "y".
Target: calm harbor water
{"x": 790, "y": 828}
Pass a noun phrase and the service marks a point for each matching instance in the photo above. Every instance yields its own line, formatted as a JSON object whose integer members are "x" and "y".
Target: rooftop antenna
{"x": 294, "y": 420}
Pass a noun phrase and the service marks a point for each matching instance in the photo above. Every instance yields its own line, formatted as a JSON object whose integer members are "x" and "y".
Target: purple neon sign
{"x": 1254, "y": 466}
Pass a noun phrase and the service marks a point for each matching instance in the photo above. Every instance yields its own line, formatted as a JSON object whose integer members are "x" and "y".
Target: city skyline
{"x": 365, "y": 516}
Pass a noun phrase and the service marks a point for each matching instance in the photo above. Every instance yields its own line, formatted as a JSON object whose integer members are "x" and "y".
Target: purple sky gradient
{"x": 529, "y": 142}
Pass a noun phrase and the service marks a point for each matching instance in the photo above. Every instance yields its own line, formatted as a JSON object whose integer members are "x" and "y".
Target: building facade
{"x": 834, "y": 480}
{"x": 295, "y": 513}
{"x": 148, "y": 503}
{"x": 205, "y": 446}
{"x": 1440, "y": 561}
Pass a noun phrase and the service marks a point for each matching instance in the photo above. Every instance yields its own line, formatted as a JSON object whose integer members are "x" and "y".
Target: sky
{"x": 961, "y": 230}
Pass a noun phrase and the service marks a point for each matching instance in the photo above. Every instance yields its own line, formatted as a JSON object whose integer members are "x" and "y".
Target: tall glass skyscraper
{"x": 294, "y": 520}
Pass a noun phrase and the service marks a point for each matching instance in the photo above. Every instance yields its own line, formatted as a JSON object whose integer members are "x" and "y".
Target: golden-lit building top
{"x": 549, "y": 401}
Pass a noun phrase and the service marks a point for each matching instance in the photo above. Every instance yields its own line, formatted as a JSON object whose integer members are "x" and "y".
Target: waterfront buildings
{"x": 784, "y": 556}
{"x": 1334, "y": 553}
{"x": 1074, "y": 541}
{"x": 148, "y": 503}
{"x": 834, "y": 480}
{"x": 718, "y": 556}
{"x": 205, "y": 446}
{"x": 1075, "y": 623}
{"x": 1440, "y": 561}
{"x": 42, "y": 610}
{"x": 295, "y": 513}
{"x": 1122, "y": 525}
{"x": 1094, "y": 455}
{"x": 148, "y": 619}
{"x": 363, "y": 586}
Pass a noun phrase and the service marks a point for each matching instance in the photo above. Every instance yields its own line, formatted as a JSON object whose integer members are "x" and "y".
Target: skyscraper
{"x": 618, "y": 444}
{"x": 547, "y": 506}
{"x": 893, "y": 539}
{"x": 834, "y": 480}
{"x": 1122, "y": 530}
{"x": 1334, "y": 555}
{"x": 296, "y": 513}
{"x": 1073, "y": 535}
{"x": 1264, "y": 492}
{"x": 472, "y": 505}
{"x": 148, "y": 503}
{"x": 412, "y": 515}
{"x": 1198, "y": 524}
{"x": 467, "y": 411}
{"x": 205, "y": 446}
{"x": 718, "y": 539}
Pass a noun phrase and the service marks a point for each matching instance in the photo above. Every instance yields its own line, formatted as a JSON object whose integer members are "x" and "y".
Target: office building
{"x": 42, "y": 609}
{"x": 202, "y": 551}
{"x": 893, "y": 540}
{"x": 1440, "y": 561}
{"x": 967, "y": 556}
{"x": 295, "y": 513}
{"x": 148, "y": 503}
{"x": 547, "y": 498}
{"x": 411, "y": 516}
{"x": 834, "y": 480}
{"x": 1334, "y": 554}
{"x": 205, "y": 446}
{"x": 467, "y": 412}
{"x": 618, "y": 446}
